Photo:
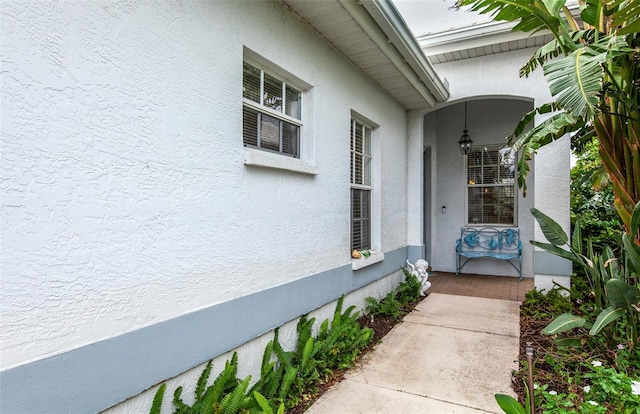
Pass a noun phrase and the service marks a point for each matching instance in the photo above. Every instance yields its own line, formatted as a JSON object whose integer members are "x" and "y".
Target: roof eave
{"x": 422, "y": 73}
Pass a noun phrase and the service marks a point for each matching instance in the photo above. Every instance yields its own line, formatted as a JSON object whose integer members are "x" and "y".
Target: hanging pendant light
{"x": 465, "y": 140}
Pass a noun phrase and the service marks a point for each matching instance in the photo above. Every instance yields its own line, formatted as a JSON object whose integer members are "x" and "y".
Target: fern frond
{"x": 202, "y": 381}
{"x": 156, "y": 406}
{"x": 232, "y": 402}
{"x": 180, "y": 406}
{"x": 263, "y": 403}
{"x": 289, "y": 378}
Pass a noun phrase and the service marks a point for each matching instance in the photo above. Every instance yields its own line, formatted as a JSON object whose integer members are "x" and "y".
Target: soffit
{"x": 478, "y": 40}
{"x": 481, "y": 39}
{"x": 350, "y": 28}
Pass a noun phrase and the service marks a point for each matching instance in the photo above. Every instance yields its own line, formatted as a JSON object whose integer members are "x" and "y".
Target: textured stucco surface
{"x": 125, "y": 200}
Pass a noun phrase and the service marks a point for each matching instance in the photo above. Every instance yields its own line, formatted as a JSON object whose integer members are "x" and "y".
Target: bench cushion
{"x": 497, "y": 255}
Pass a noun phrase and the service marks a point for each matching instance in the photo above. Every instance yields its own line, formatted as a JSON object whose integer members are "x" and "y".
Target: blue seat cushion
{"x": 499, "y": 256}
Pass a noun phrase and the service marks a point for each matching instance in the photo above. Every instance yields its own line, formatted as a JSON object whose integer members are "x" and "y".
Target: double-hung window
{"x": 360, "y": 186}
{"x": 271, "y": 112}
{"x": 491, "y": 191}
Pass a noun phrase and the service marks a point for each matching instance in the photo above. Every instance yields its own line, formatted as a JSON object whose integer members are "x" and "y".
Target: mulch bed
{"x": 381, "y": 326}
{"x": 543, "y": 348}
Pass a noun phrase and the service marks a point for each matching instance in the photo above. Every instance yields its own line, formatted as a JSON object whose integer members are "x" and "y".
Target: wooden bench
{"x": 501, "y": 244}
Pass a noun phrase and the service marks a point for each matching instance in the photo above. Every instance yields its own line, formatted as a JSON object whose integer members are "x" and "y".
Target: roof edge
{"x": 389, "y": 19}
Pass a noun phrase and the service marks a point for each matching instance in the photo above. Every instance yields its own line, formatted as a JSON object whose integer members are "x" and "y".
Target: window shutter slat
{"x": 249, "y": 127}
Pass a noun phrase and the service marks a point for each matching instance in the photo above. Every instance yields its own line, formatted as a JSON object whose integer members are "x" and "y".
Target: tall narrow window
{"x": 491, "y": 186}
{"x": 360, "y": 186}
{"x": 271, "y": 112}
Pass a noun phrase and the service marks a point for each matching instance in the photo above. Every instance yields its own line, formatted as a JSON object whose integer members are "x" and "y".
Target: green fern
{"x": 180, "y": 406}
{"x": 232, "y": 403}
{"x": 157, "y": 400}
{"x": 202, "y": 381}
{"x": 266, "y": 406}
{"x": 287, "y": 381}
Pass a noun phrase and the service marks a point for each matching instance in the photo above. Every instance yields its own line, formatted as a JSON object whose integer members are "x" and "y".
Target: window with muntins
{"x": 491, "y": 192}
{"x": 360, "y": 186}
{"x": 271, "y": 112}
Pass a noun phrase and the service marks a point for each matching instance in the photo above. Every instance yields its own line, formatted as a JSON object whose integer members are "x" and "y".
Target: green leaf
{"x": 263, "y": 403}
{"x": 605, "y": 317}
{"x": 562, "y": 323}
{"x": 576, "y": 237}
{"x": 635, "y": 220}
{"x": 631, "y": 252}
{"x": 576, "y": 81}
{"x": 157, "y": 400}
{"x": 532, "y": 16}
{"x": 569, "y": 342}
{"x": 509, "y": 404}
{"x": 627, "y": 16}
{"x": 621, "y": 294}
{"x": 551, "y": 230}
{"x": 556, "y": 250}
{"x": 527, "y": 142}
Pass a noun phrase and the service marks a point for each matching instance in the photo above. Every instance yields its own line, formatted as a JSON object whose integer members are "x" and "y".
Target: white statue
{"x": 419, "y": 270}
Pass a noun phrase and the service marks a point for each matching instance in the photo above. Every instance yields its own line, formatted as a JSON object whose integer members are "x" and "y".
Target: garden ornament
{"x": 419, "y": 270}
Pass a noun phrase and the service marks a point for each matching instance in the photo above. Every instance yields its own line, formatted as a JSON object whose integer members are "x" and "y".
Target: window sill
{"x": 357, "y": 264}
{"x": 266, "y": 159}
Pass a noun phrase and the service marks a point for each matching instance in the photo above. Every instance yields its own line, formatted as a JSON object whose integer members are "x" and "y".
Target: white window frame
{"x": 265, "y": 158}
{"x": 261, "y": 109}
{"x": 366, "y": 177}
{"x": 468, "y": 185}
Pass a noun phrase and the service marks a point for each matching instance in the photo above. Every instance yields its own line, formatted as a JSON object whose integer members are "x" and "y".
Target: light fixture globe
{"x": 465, "y": 140}
{"x": 465, "y": 143}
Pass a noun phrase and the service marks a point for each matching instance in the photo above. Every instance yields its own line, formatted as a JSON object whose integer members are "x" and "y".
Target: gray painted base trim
{"x": 415, "y": 253}
{"x": 95, "y": 377}
{"x": 545, "y": 263}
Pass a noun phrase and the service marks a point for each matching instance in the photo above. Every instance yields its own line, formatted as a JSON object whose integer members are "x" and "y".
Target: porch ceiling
{"x": 372, "y": 35}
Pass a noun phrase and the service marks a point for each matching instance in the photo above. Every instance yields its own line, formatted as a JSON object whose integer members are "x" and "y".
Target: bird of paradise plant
{"x": 593, "y": 69}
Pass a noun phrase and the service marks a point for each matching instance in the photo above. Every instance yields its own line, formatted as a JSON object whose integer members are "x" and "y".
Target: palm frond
{"x": 541, "y": 56}
{"x": 626, "y": 16}
{"x": 576, "y": 81}
{"x": 532, "y": 16}
{"x": 530, "y": 141}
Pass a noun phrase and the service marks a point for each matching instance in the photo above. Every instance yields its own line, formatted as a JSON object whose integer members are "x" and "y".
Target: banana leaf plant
{"x": 593, "y": 69}
{"x": 612, "y": 280}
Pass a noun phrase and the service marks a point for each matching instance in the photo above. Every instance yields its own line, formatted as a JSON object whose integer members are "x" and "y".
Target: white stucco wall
{"x": 125, "y": 200}
{"x": 477, "y": 79}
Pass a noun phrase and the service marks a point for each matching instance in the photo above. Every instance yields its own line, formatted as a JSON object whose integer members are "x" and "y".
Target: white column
{"x": 552, "y": 197}
{"x": 415, "y": 174}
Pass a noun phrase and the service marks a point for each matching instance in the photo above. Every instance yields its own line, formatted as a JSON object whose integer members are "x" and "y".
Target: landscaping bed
{"x": 381, "y": 325}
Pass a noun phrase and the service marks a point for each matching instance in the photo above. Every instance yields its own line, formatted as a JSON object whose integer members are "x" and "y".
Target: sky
{"x": 432, "y": 16}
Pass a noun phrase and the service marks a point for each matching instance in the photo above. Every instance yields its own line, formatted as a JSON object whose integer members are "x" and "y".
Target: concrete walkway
{"x": 450, "y": 355}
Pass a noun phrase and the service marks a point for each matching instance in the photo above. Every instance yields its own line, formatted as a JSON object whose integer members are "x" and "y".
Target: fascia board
{"x": 373, "y": 27}
{"x": 393, "y": 25}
